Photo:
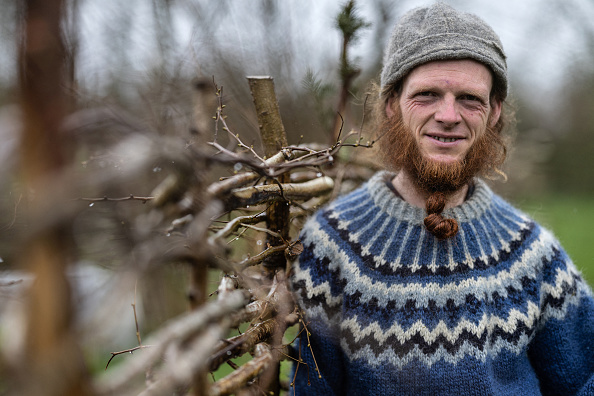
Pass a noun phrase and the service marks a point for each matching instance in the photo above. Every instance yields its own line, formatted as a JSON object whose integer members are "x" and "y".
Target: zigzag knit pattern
{"x": 393, "y": 310}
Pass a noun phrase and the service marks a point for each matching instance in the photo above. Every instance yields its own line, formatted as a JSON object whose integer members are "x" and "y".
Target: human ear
{"x": 496, "y": 106}
{"x": 390, "y": 103}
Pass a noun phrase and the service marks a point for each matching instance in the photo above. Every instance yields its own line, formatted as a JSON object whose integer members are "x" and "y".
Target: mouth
{"x": 445, "y": 139}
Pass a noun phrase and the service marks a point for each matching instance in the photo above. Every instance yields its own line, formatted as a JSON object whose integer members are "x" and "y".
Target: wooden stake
{"x": 274, "y": 139}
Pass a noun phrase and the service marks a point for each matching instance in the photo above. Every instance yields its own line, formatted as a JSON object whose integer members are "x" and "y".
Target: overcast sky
{"x": 542, "y": 38}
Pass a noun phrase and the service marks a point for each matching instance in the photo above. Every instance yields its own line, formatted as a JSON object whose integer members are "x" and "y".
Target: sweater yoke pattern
{"x": 387, "y": 291}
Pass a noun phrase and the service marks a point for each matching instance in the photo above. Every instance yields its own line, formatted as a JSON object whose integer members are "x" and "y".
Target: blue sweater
{"x": 499, "y": 309}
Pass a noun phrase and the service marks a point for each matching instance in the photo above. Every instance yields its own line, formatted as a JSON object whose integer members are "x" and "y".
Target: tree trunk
{"x": 52, "y": 363}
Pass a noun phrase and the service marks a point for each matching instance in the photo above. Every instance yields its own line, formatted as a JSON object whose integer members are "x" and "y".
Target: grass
{"x": 571, "y": 219}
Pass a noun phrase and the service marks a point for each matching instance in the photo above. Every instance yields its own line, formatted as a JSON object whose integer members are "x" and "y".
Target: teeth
{"x": 445, "y": 140}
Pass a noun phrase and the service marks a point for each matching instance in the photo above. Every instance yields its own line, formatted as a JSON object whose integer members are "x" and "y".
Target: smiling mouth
{"x": 445, "y": 140}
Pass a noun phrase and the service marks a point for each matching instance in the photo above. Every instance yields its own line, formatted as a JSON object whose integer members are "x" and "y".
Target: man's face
{"x": 447, "y": 107}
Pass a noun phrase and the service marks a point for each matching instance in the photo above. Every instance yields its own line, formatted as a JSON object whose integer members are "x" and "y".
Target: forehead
{"x": 459, "y": 74}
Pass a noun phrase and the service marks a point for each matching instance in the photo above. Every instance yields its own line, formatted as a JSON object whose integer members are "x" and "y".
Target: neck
{"x": 415, "y": 196}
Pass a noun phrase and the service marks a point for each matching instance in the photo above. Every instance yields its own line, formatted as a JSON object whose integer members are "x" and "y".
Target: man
{"x": 425, "y": 282}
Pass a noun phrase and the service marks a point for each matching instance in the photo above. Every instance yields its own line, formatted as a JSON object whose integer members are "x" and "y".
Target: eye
{"x": 471, "y": 98}
{"x": 424, "y": 96}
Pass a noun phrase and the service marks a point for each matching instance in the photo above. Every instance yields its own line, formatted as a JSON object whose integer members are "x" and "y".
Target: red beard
{"x": 401, "y": 152}
{"x": 438, "y": 179}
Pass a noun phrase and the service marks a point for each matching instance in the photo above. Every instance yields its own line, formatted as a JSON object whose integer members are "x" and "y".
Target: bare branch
{"x": 176, "y": 331}
{"x": 131, "y": 350}
{"x": 250, "y": 370}
{"x": 257, "y": 259}
{"x": 272, "y": 192}
{"x": 190, "y": 358}
{"x": 240, "y": 180}
{"x": 242, "y": 343}
{"x": 264, "y": 230}
{"x": 237, "y": 222}
{"x": 136, "y": 319}
{"x": 131, "y": 197}
{"x": 263, "y": 308}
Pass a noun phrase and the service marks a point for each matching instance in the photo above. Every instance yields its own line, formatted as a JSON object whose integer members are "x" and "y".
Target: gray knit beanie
{"x": 439, "y": 32}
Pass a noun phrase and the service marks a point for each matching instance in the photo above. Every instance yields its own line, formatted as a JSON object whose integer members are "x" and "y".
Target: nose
{"x": 447, "y": 112}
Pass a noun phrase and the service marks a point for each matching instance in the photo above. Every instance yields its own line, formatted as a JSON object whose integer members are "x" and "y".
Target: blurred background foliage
{"x": 139, "y": 58}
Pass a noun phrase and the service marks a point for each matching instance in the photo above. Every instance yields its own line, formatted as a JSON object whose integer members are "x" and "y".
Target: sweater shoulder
{"x": 359, "y": 197}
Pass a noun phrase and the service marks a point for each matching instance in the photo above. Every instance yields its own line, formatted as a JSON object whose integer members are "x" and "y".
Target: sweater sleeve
{"x": 317, "y": 288}
{"x": 562, "y": 352}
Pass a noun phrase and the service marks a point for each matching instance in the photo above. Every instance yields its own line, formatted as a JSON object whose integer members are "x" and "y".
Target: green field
{"x": 571, "y": 219}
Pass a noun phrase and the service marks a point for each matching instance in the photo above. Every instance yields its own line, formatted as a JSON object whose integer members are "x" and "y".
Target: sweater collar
{"x": 395, "y": 206}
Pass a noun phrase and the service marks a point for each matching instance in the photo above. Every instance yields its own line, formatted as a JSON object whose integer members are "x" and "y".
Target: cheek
{"x": 478, "y": 132}
{"x": 415, "y": 116}
{"x": 477, "y": 122}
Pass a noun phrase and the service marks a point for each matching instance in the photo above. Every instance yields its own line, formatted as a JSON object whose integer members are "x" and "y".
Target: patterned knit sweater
{"x": 497, "y": 310}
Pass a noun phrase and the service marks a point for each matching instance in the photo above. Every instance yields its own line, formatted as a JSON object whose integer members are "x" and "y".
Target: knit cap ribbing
{"x": 440, "y": 32}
